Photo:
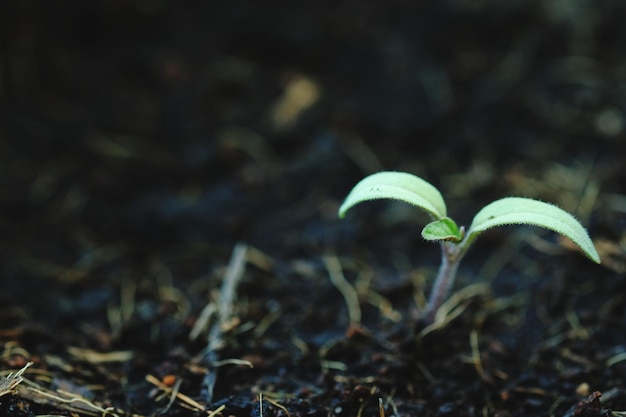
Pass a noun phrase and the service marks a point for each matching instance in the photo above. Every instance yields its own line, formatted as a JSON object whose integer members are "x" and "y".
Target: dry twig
{"x": 12, "y": 380}
{"x": 227, "y": 296}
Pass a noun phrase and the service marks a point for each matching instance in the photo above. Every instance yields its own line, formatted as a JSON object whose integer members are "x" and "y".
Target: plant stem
{"x": 451, "y": 255}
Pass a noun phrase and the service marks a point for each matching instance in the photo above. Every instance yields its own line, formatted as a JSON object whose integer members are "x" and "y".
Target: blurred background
{"x": 137, "y": 125}
{"x": 209, "y": 120}
{"x": 129, "y": 127}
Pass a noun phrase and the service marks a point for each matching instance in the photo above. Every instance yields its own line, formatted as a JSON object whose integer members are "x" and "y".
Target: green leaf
{"x": 442, "y": 229}
{"x": 518, "y": 210}
{"x": 396, "y": 186}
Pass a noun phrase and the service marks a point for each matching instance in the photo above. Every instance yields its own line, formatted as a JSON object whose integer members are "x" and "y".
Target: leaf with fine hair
{"x": 400, "y": 186}
{"x": 519, "y": 210}
{"x": 444, "y": 229}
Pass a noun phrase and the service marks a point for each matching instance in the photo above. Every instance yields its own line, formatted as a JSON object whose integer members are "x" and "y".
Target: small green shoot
{"x": 455, "y": 240}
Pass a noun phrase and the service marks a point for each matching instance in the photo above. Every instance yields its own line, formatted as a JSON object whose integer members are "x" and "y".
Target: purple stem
{"x": 450, "y": 259}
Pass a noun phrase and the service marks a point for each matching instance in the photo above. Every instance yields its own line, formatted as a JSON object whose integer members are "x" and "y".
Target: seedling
{"x": 455, "y": 240}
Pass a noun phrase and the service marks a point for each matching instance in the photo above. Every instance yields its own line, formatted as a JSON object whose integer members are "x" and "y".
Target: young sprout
{"x": 455, "y": 240}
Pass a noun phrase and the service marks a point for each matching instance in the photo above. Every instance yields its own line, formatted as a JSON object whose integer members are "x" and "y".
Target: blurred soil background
{"x": 152, "y": 150}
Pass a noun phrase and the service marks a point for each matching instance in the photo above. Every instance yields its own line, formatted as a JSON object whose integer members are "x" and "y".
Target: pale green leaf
{"x": 518, "y": 210}
{"x": 442, "y": 229}
{"x": 396, "y": 186}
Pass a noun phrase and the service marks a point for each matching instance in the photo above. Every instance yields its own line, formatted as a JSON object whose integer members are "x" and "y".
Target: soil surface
{"x": 171, "y": 174}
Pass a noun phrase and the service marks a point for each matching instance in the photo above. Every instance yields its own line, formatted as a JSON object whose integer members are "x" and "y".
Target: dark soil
{"x": 151, "y": 151}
